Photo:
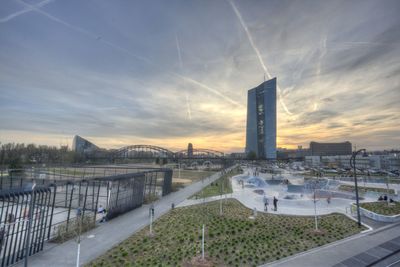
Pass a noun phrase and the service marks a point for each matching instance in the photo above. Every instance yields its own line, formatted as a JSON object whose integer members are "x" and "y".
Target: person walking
{"x": 266, "y": 203}
{"x": 275, "y": 204}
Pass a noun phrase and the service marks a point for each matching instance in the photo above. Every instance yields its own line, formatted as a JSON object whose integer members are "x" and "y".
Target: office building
{"x": 190, "y": 150}
{"x": 330, "y": 149}
{"x": 261, "y": 120}
{"x": 81, "y": 145}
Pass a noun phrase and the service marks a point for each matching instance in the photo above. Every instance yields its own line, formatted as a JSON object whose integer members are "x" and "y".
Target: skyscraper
{"x": 261, "y": 120}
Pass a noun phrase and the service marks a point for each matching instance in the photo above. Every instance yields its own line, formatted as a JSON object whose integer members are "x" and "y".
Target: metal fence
{"x": 17, "y": 207}
{"x": 61, "y": 200}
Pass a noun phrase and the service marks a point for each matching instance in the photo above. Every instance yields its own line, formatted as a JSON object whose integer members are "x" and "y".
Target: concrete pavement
{"x": 99, "y": 240}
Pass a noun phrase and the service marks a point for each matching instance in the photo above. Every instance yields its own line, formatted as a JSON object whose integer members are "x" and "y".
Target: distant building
{"x": 261, "y": 120}
{"x": 238, "y": 155}
{"x": 81, "y": 145}
{"x": 330, "y": 149}
{"x": 299, "y": 153}
{"x": 389, "y": 162}
{"x": 190, "y": 150}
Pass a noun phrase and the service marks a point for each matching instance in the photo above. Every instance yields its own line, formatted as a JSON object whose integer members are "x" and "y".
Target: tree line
{"x": 16, "y": 155}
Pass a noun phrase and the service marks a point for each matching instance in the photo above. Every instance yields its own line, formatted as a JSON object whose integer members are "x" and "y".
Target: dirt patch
{"x": 197, "y": 261}
{"x": 182, "y": 180}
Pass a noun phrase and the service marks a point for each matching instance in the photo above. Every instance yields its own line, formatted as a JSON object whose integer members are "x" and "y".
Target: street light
{"x": 29, "y": 225}
{"x": 353, "y": 165}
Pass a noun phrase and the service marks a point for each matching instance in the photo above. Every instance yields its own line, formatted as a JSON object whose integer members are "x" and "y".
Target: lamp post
{"x": 353, "y": 165}
{"x": 31, "y": 207}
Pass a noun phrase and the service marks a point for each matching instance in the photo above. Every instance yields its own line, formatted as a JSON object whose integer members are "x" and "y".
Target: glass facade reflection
{"x": 261, "y": 120}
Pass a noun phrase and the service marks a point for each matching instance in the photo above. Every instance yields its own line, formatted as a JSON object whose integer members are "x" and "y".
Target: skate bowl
{"x": 255, "y": 182}
{"x": 274, "y": 182}
{"x": 294, "y": 188}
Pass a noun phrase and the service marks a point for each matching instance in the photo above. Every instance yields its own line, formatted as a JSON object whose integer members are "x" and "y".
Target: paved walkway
{"x": 99, "y": 240}
{"x": 334, "y": 253}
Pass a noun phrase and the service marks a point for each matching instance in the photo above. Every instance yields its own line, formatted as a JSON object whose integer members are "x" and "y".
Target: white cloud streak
{"x": 121, "y": 49}
{"x": 178, "y": 48}
{"x": 257, "y": 51}
{"x": 25, "y": 10}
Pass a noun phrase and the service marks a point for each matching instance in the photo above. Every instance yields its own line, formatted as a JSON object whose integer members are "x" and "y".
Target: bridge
{"x": 83, "y": 146}
{"x": 199, "y": 153}
{"x": 149, "y": 151}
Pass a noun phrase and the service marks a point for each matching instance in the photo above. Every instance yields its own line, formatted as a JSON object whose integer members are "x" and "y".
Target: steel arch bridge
{"x": 200, "y": 153}
{"x": 143, "y": 151}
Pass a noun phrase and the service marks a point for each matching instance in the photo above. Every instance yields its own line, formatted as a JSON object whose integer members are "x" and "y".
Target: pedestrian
{"x": 102, "y": 211}
{"x": 266, "y": 204}
{"x": 328, "y": 199}
{"x": 275, "y": 204}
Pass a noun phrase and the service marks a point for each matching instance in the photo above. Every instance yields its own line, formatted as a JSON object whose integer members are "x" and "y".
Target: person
{"x": 385, "y": 197}
{"x": 101, "y": 210}
{"x": 266, "y": 203}
{"x": 275, "y": 204}
{"x": 328, "y": 199}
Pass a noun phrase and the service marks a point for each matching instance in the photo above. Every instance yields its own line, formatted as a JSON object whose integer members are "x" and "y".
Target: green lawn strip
{"x": 231, "y": 240}
{"x": 351, "y": 188}
{"x": 222, "y": 185}
{"x": 382, "y": 207}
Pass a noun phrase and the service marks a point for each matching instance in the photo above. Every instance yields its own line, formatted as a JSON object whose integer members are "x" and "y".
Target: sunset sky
{"x": 171, "y": 72}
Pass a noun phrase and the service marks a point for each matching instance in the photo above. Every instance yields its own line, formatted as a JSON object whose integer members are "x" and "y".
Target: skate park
{"x": 296, "y": 194}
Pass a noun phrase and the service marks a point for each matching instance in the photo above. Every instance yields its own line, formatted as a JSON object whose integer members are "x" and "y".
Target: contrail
{"x": 253, "y": 45}
{"x": 25, "y": 10}
{"x": 322, "y": 54}
{"x": 110, "y": 44}
{"x": 188, "y": 107}
{"x": 178, "y": 48}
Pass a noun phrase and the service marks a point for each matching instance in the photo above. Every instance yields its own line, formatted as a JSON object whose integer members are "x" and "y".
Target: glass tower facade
{"x": 261, "y": 120}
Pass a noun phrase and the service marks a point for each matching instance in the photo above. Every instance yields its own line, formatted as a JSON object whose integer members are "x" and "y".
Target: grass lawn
{"x": 230, "y": 240}
{"x": 382, "y": 207}
{"x": 215, "y": 188}
{"x": 351, "y": 188}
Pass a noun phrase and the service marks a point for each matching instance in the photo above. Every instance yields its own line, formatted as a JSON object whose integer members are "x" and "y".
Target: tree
{"x": 252, "y": 155}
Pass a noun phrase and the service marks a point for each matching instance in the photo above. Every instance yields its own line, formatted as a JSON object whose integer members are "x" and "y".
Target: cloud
{"x": 25, "y": 10}
{"x": 121, "y": 74}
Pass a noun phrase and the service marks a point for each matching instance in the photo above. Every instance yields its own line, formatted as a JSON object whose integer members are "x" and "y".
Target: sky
{"x": 172, "y": 72}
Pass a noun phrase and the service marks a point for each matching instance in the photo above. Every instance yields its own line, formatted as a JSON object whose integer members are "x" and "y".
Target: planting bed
{"x": 231, "y": 239}
{"x": 382, "y": 207}
{"x": 351, "y": 188}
